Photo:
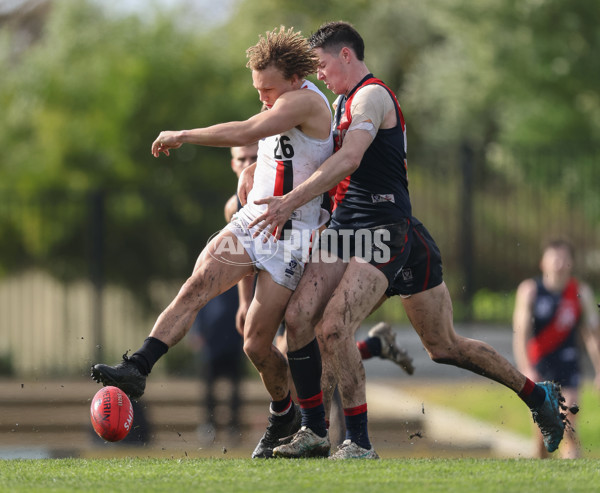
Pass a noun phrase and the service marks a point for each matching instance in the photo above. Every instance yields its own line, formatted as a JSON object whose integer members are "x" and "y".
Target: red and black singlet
{"x": 377, "y": 192}
{"x": 556, "y": 317}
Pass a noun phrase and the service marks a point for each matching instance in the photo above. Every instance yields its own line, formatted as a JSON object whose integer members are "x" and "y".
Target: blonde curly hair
{"x": 285, "y": 49}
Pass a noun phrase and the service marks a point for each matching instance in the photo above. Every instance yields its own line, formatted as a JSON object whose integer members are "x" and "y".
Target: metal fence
{"x": 68, "y": 297}
{"x": 491, "y": 214}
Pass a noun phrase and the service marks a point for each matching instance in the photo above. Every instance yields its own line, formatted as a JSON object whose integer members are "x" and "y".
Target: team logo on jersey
{"x": 567, "y": 317}
{"x": 377, "y": 198}
{"x": 544, "y": 307}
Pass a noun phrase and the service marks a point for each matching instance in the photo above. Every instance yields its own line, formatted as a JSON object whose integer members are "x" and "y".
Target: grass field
{"x": 315, "y": 475}
{"x": 484, "y": 400}
{"x": 492, "y": 402}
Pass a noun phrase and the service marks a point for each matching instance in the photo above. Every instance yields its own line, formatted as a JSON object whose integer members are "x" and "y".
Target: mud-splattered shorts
{"x": 281, "y": 259}
{"x": 384, "y": 247}
{"x": 423, "y": 267}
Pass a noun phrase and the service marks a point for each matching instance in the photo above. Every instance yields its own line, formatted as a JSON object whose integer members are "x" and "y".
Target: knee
{"x": 292, "y": 319}
{"x": 258, "y": 346}
{"x": 332, "y": 335}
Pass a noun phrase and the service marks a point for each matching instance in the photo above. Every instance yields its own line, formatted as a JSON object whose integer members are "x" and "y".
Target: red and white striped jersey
{"x": 284, "y": 162}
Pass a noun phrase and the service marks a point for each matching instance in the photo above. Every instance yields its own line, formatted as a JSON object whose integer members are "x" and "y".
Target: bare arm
{"x": 590, "y": 328}
{"x": 231, "y": 207}
{"x": 245, "y": 183}
{"x": 291, "y": 109}
{"x": 341, "y": 164}
{"x": 523, "y": 326}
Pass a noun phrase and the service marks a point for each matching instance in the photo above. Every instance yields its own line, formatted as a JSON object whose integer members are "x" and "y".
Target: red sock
{"x": 527, "y": 389}
{"x": 531, "y": 394}
{"x": 363, "y": 348}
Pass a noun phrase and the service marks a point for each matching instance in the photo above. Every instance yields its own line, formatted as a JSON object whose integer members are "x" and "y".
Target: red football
{"x": 112, "y": 414}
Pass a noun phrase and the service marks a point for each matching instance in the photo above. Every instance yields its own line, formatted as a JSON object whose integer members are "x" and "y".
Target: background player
{"x": 553, "y": 314}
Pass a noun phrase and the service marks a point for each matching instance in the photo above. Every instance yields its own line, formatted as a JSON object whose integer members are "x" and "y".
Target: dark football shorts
{"x": 423, "y": 268}
{"x": 564, "y": 371}
{"x": 404, "y": 252}
{"x": 383, "y": 246}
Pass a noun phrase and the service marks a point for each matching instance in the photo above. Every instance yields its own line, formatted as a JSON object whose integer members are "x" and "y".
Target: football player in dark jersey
{"x": 553, "y": 314}
{"x": 374, "y": 248}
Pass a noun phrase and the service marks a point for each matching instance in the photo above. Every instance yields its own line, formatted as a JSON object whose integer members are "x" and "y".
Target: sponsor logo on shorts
{"x": 291, "y": 268}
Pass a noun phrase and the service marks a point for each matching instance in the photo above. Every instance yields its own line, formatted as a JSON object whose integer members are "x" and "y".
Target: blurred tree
{"x": 80, "y": 109}
{"x": 87, "y": 91}
{"x": 509, "y": 72}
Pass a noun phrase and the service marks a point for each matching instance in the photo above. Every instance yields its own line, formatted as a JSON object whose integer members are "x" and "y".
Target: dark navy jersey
{"x": 377, "y": 192}
{"x": 556, "y": 316}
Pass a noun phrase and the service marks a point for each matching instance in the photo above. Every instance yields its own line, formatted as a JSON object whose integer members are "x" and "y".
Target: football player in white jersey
{"x": 294, "y": 137}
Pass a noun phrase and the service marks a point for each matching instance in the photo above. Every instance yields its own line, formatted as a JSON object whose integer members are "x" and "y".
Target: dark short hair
{"x": 555, "y": 243}
{"x": 333, "y": 36}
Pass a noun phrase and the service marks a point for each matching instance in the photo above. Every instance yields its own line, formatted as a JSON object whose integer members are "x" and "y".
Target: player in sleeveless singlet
{"x": 284, "y": 160}
{"x": 553, "y": 314}
{"x": 374, "y": 248}
{"x": 295, "y": 137}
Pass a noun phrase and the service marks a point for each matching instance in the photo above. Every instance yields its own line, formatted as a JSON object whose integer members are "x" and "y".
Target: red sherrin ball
{"x": 112, "y": 414}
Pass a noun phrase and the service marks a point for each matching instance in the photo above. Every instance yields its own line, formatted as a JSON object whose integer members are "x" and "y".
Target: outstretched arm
{"x": 290, "y": 110}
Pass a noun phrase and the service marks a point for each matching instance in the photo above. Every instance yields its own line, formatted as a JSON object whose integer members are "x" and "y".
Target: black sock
{"x": 356, "y": 426}
{"x": 281, "y": 408}
{"x": 313, "y": 414}
{"x": 305, "y": 367}
{"x": 374, "y": 345}
{"x": 150, "y": 352}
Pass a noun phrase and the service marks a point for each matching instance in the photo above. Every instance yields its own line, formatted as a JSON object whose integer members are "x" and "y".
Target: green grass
{"x": 492, "y": 402}
{"x": 245, "y": 475}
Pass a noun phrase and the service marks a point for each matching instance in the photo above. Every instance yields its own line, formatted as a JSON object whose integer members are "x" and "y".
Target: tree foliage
{"x": 515, "y": 72}
{"x": 82, "y": 106}
{"x": 83, "y": 102}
